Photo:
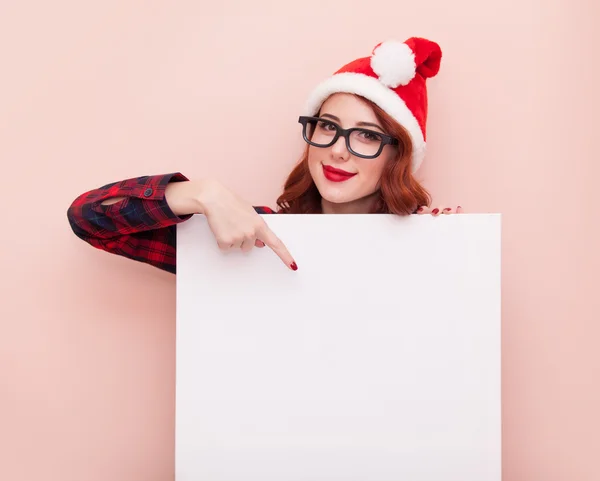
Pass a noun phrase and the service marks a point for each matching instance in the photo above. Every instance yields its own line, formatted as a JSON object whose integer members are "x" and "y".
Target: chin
{"x": 336, "y": 194}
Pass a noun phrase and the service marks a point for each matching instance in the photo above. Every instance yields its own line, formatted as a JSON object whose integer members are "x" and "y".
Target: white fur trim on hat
{"x": 394, "y": 63}
{"x": 377, "y": 93}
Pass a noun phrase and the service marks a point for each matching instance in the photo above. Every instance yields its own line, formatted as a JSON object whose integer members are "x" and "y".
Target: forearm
{"x": 183, "y": 198}
{"x": 132, "y": 205}
{"x": 132, "y": 217}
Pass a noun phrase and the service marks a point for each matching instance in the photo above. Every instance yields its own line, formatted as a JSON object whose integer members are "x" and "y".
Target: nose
{"x": 339, "y": 151}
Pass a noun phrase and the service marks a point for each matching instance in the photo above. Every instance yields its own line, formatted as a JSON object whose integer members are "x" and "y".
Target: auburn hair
{"x": 400, "y": 193}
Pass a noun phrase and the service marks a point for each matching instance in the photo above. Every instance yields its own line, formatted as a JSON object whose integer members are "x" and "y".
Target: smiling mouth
{"x": 336, "y": 175}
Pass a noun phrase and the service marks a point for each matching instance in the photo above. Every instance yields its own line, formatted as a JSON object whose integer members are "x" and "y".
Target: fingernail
{"x": 435, "y": 211}
{"x": 447, "y": 209}
{"x": 294, "y": 266}
{"x": 420, "y": 209}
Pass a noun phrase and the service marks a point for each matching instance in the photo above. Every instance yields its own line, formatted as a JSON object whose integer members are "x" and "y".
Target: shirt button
{"x": 148, "y": 192}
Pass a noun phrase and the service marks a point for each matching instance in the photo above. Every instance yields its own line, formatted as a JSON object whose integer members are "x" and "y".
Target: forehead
{"x": 349, "y": 108}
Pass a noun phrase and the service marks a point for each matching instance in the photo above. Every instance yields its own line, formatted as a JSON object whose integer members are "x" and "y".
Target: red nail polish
{"x": 435, "y": 211}
{"x": 294, "y": 266}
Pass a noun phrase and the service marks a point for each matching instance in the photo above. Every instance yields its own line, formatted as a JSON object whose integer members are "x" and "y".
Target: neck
{"x": 359, "y": 206}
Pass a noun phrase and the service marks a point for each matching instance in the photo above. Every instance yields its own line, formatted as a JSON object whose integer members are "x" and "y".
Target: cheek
{"x": 314, "y": 162}
{"x": 371, "y": 172}
{"x": 375, "y": 169}
{"x": 312, "y": 157}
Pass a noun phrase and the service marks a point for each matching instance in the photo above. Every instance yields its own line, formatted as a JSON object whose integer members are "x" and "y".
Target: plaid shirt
{"x": 141, "y": 227}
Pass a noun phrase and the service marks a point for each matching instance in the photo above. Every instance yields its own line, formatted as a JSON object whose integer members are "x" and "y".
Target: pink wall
{"x": 99, "y": 91}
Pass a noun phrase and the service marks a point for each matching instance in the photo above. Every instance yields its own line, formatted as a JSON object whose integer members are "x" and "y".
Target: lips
{"x": 336, "y": 175}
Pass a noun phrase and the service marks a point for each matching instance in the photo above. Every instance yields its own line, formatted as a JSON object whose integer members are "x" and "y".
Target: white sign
{"x": 378, "y": 360}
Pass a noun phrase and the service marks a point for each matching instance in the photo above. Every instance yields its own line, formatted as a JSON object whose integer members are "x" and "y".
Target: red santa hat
{"x": 393, "y": 78}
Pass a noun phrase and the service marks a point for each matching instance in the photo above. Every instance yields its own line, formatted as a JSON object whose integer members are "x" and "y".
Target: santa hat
{"x": 393, "y": 78}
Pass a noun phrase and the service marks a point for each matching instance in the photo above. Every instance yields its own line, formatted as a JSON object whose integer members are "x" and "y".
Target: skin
{"x": 357, "y": 194}
{"x": 233, "y": 220}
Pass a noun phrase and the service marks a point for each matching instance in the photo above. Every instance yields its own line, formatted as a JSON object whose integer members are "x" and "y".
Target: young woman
{"x": 365, "y": 133}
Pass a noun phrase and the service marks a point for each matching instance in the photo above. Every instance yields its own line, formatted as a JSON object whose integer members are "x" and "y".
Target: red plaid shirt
{"x": 141, "y": 227}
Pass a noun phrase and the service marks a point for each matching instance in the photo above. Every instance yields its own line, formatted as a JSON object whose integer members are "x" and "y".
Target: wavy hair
{"x": 400, "y": 193}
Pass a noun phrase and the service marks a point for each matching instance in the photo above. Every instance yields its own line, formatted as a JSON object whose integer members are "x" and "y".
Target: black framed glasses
{"x": 361, "y": 142}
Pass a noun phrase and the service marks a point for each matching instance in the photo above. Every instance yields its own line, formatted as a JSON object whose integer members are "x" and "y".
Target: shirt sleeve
{"x": 141, "y": 226}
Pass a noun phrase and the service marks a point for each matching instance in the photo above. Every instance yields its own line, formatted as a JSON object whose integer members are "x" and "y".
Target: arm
{"x": 133, "y": 217}
{"x": 136, "y": 218}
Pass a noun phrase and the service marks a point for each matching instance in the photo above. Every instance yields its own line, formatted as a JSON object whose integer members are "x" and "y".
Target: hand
{"x": 438, "y": 210}
{"x": 236, "y": 225}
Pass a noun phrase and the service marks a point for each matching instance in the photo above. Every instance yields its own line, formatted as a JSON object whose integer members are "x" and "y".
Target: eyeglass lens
{"x": 363, "y": 142}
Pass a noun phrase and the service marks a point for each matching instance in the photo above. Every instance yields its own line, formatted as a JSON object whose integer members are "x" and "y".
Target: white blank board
{"x": 378, "y": 360}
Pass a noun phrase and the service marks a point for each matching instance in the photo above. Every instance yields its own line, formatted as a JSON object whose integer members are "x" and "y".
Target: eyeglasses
{"x": 363, "y": 143}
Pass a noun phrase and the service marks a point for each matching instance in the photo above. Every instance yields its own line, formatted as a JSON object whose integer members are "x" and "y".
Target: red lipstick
{"x": 336, "y": 175}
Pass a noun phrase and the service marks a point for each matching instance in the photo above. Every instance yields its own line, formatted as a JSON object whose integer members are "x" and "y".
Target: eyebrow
{"x": 360, "y": 124}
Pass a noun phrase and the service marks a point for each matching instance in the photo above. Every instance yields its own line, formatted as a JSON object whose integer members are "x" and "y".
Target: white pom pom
{"x": 394, "y": 63}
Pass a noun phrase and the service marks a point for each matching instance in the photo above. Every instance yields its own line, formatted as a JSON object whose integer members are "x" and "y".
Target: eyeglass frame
{"x": 341, "y": 132}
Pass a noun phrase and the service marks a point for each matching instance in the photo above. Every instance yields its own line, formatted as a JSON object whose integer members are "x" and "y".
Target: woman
{"x": 365, "y": 133}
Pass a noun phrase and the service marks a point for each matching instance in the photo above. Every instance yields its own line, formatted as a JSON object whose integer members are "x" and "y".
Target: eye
{"x": 370, "y": 136}
{"x": 328, "y": 126}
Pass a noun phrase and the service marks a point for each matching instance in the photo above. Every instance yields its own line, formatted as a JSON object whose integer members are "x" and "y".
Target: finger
{"x": 236, "y": 244}
{"x": 435, "y": 212}
{"x": 258, "y": 243}
{"x": 447, "y": 210}
{"x": 248, "y": 244}
{"x": 423, "y": 210}
{"x": 459, "y": 209}
{"x": 224, "y": 246}
{"x": 271, "y": 240}
{"x": 230, "y": 244}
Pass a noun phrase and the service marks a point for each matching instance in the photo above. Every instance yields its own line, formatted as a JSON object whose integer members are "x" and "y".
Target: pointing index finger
{"x": 275, "y": 243}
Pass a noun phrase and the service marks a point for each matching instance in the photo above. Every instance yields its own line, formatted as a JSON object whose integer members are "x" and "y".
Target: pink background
{"x": 101, "y": 91}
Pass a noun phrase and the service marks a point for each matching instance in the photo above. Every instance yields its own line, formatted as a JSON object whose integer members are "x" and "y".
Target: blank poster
{"x": 378, "y": 360}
